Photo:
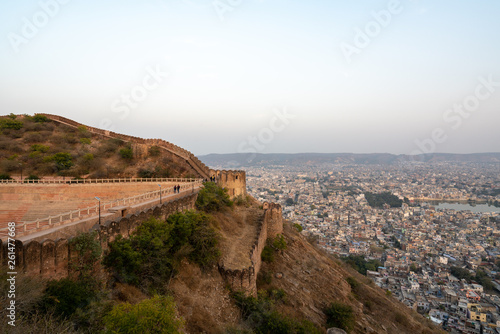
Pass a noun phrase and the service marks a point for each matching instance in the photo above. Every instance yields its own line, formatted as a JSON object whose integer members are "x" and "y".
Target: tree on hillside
{"x": 212, "y": 198}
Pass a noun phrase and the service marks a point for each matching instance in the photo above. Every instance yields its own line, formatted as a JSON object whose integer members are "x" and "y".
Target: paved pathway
{"x": 33, "y": 231}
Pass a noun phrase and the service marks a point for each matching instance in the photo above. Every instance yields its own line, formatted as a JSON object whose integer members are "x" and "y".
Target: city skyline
{"x": 402, "y": 77}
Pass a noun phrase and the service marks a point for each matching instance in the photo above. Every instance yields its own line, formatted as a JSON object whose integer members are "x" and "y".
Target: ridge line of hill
{"x": 190, "y": 158}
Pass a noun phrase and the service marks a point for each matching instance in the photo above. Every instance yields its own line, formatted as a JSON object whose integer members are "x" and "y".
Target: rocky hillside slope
{"x": 39, "y": 147}
{"x": 311, "y": 281}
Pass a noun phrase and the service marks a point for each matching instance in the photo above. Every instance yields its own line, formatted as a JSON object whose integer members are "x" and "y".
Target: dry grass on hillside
{"x": 35, "y": 144}
{"x": 312, "y": 280}
{"x": 238, "y": 228}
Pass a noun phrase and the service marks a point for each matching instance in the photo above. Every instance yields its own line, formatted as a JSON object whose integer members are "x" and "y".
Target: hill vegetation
{"x": 163, "y": 279}
{"x": 36, "y": 147}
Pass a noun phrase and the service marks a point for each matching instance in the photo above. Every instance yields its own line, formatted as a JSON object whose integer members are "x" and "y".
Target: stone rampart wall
{"x": 50, "y": 258}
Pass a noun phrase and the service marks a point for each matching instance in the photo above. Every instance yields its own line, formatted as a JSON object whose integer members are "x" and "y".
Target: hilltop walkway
{"x": 108, "y": 209}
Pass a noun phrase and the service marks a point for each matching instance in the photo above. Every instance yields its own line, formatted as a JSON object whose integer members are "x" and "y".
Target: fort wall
{"x": 246, "y": 279}
{"x": 49, "y": 258}
{"x": 140, "y": 145}
{"x": 29, "y": 202}
{"x": 76, "y": 192}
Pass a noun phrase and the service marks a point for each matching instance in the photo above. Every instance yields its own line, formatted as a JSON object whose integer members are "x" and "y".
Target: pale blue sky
{"x": 225, "y": 77}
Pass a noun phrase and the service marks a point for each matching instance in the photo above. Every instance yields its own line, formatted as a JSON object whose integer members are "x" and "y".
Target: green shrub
{"x": 264, "y": 277}
{"x": 145, "y": 173}
{"x": 88, "y": 157}
{"x": 261, "y": 316}
{"x": 205, "y": 242}
{"x": 353, "y": 282}
{"x": 154, "y": 151}
{"x": 341, "y": 316}
{"x": 85, "y": 141}
{"x": 88, "y": 250}
{"x": 298, "y": 227}
{"x": 40, "y": 148}
{"x": 193, "y": 228}
{"x": 63, "y": 160}
{"x": 151, "y": 255}
{"x": 267, "y": 254}
{"x": 212, "y": 198}
{"x": 273, "y": 245}
{"x": 127, "y": 153}
{"x": 40, "y": 119}
{"x": 83, "y": 132}
{"x": 63, "y": 297}
{"x": 5, "y": 177}
{"x": 279, "y": 243}
{"x": 31, "y": 177}
{"x": 9, "y": 123}
{"x": 154, "y": 315}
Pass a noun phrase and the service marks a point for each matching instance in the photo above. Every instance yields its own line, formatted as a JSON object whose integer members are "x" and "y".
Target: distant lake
{"x": 466, "y": 206}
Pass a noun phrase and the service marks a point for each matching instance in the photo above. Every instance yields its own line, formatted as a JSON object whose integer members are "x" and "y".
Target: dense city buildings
{"x": 438, "y": 258}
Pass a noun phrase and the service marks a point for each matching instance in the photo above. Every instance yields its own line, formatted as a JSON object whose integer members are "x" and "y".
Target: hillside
{"x": 188, "y": 271}
{"x": 305, "y": 279}
{"x": 311, "y": 281}
{"x": 39, "y": 147}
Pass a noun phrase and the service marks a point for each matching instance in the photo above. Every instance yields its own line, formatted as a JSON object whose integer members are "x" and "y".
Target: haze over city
{"x": 400, "y": 77}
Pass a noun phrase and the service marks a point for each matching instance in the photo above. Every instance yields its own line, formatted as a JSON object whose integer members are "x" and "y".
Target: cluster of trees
{"x": 378, "y": 200}
{"x": 340, "y": 316}
{"x": 212, "y": 198}
{"x": 261, "y": 316}
{"x": 273, "y": 245}
{"x": 152, "y": 255}
{"x": 479, "y": 276}
{"x": 361, "y": 265}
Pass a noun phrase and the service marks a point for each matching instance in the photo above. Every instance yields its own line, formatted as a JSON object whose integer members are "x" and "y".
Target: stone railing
{"x": 75, "y": 215}
{"x": 89, "y": 181}
{"x": 50, "y": 258}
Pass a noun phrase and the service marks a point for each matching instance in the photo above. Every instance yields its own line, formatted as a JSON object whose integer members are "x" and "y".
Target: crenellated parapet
{"x": 140, "y": 146}
{"x": 234, "y": 181}
{"x": 240, "y": 279}
{"x": 51, "y": 258}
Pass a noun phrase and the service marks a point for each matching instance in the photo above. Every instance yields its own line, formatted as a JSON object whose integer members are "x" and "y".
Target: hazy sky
{"x": 221, "y": 76}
